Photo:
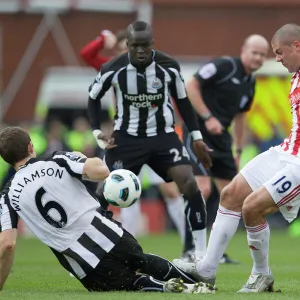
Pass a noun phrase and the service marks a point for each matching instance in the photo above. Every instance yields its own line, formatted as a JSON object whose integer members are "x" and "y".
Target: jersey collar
{"x": 296, "y": 74}
{"x": 29, "y": 161}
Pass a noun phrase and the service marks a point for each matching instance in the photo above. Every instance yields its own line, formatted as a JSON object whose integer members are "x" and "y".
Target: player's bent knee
{"x": 189, "y": 188}
{"x": 250, "y": 208}
{"x": 226, "y": 195}
{"x": 228, "y": 198}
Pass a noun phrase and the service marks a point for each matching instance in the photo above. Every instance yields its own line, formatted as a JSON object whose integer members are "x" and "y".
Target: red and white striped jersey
{"x": 292, "y": 143}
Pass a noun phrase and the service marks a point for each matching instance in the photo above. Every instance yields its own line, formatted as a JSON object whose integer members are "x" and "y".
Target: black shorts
{"x": 117, "y": 269}
{"x": 223, "y": 164}
{"x": 160, "y": 152}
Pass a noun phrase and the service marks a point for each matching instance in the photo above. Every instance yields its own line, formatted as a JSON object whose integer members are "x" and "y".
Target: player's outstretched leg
{"x": 162, "y": 269}
{"x": 146, "y": 283}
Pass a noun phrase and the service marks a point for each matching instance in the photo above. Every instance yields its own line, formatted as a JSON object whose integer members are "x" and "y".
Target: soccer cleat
{"x": 227, "y": 260}
{"x": 191, "y": 268}
{"x": 188, "y": 256}
{"x": 176, "y": 285}
{"x": 258, "y": 283}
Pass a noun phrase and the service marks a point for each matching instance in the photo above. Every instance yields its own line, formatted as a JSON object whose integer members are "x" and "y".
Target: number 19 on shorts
{"x": 282, "y": 184}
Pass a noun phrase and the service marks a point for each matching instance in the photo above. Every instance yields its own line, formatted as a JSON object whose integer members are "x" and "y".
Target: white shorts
{"x": 279, "y": 173}
{"x": 147, "y": 172}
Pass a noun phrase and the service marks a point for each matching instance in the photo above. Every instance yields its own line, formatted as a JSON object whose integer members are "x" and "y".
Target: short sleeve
{"x": 71, "y": 162}
{"x": 215, "y": 71}
{"x": 177, "y": 86}
{"x": 247, "y": 100}
{"x": 8, "y": 216}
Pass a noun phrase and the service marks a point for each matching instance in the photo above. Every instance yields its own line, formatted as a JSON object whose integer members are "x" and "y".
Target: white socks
{"x": 258, "y": 241}
{"x": 200, "y": 242}
{"x": 175, "y": 207}
{"x": 223, "y": 229}
{"x": 130, "y": 217}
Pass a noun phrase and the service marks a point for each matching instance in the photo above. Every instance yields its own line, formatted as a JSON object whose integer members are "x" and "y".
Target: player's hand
{"x": 202, "y": 151}
{"x": 103, "y": 140}
{"x": 214, "y": 126}
{"x": 110, "y": 39}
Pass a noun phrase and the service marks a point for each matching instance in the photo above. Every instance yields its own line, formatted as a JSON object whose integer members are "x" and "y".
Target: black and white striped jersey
{"x": 143, "y": 96}
{"x": 49, "y": 195}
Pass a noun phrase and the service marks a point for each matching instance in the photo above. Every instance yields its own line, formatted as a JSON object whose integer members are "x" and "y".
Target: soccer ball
{"x": 122, "y": 188}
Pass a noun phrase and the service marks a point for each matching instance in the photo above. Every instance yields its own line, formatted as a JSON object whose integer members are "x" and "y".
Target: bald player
{"x": 267, "y": 184}
{"x": 222, "y": 92}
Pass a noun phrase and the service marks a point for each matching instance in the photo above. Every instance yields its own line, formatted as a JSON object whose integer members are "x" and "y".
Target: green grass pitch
{"x": 36, "y": 274}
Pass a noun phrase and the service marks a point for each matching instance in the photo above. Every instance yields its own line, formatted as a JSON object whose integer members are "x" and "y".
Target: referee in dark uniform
{"x": 222, "y": 92}
{"x": 144, "y": 80}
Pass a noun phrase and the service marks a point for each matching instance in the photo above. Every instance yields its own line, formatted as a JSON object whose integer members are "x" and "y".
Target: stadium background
{"x": 40, "y": 64}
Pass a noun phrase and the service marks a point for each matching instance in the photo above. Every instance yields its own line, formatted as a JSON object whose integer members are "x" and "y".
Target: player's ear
{"x": 296, "y": 44}
{"x": 31, "y": 149}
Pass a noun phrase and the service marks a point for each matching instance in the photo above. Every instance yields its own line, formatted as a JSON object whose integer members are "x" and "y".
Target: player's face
{"x": 254, "y": 56}
{"x": 140, "y": 48}
{"x": 288, "y": 55}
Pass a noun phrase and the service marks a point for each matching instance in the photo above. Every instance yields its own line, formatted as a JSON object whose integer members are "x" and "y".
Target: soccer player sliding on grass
{"x": 48, "y": 193}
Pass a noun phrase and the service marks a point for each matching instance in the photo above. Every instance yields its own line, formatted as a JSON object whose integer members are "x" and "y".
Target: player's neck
{"x": 141, "y": 67}
{"x": 22, "y": 163}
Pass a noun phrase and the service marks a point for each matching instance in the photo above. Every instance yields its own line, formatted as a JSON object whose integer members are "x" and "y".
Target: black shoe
{"x": 227, "y": 260}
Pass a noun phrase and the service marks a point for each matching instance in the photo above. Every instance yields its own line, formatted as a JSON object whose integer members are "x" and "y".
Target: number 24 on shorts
{"x": 282, "y": 185}
{"x": 177, "y": 156}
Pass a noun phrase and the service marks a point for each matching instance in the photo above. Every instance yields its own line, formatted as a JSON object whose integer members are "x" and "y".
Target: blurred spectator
{"x": 55, "y": 135}
{"x": 80, "y": 138}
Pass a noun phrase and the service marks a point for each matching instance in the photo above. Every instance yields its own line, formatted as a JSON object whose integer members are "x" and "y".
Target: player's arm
{"x": 194, "y": 93}
{"x": 95, "y": 169}
{"x": 238, "y": 131}
{"x": 99, "y": 87}
{"x": 8, "y": 238}
{"x": 240, "y": 120}
{"x": 90, "y": 53}
{"x": 208, "y": 75}
{"x": 78, "y": 165}
{"x": 177, "y": 90}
